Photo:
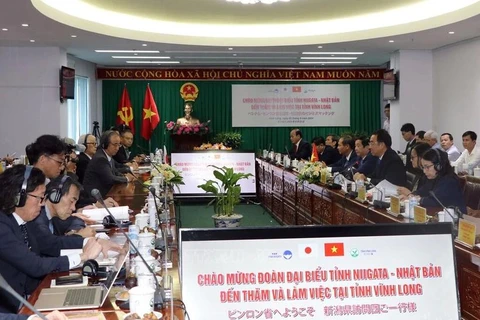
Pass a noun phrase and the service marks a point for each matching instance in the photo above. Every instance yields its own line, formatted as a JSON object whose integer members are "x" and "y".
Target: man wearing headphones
{"x": 90, "y": 143}
{"x": 47, "y": 153}
{"x": 101, "y": 173}
{"x": 22, "y": 191}
{"x": 61, "y": 195}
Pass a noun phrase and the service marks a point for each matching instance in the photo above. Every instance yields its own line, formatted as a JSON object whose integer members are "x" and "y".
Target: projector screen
{"x": 195, "y": 169}
{"x": 394, "y": 271}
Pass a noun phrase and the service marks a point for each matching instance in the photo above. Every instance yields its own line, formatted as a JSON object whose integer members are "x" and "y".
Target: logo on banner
{"x": 189, "y": 91}
{"x": 296, "y": 89}
{"x": 308, "y": 250}
{"x": 354, "y": 252}
{"x": 287, "y": 254}
{"x": 334, "y": 249}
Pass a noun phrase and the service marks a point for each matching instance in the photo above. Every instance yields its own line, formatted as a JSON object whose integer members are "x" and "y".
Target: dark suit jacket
{"x": 82, "y": 164}
{"x": 121, "y": 156}
{"x": 390, "y": 168}
{"x": 100, "y": 174}
{"x": 304, "y": 151}
{"x": 21, "y": 267}
{"x": 330, "y": 155}
{"x": 367, "y": 165}
{"x": 10, "y": 316}
{"x": 50, "y": 244}
{"x": 446, "y": 188}
{"x": 343, "y": 164}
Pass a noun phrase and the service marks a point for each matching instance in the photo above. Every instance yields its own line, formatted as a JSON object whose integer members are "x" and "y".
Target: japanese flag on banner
{"x": 308, "y": 250}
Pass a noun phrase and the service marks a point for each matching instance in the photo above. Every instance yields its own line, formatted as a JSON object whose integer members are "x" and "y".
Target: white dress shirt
{"x": 386, "y": 125}
{"x": 453, "y": 153}
{"x": 472, "y": 159}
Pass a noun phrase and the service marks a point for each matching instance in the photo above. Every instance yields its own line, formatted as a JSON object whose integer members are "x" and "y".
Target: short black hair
{"x": 447, "y": 134}
{"x": 44, "y": 145}
{"x": 298, "y": 133}
{"x": 68, "y": 182}
{"x": 383, "y": 136}
{"x": 11, "y": 181}
{"x": 348, "y": 140}
{"x": 421, "y": 134}
{"x": 387, "y": 106}
{"x": 364, "y": 139}
{"x": 408, "y": 127}
{"x": 334, "y": 139}
{"x": 421, "y": 148}
{"x": 472, "y": 135}
{"x": 318, "y": 141}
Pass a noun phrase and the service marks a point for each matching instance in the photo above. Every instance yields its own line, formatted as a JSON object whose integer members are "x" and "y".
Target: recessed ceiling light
{"x": 333, "y": 55}
{"x": 4, "y": 29}
{"x": 328, "y": 58}
{"x": 151, "y": 62}
{"x": 73, "y": 36}
{"x": 325, "y": 62}
{"x": 451, "y": 32}
{"x": 138, "y": 57}
{"x": 391, "y": 41}
{"x": 144, "y": 44}
{"x": 32, "y": 40}
{"x": 320, "y": 47}
{"x": 24, "y": 24}
{"x": 230, "y": 49}
{"x": 135, "y": 54}
{"x": 341, "y": 53}
{"x": 127, "y": 51}
{"x": 234, "y": 54}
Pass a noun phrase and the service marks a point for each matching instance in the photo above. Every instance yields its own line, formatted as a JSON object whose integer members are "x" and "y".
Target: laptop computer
{"x": 73, "y": 298}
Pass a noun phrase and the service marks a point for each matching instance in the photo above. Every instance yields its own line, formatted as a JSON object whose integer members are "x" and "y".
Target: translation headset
{"x": 438, "y": 165}
{"x": 85, "y": 140}
{"x": 21, "y": 196}
{"x": 55, "y": 194}
{"x": 105, "y": 139}
{"x": 91, "y": 268}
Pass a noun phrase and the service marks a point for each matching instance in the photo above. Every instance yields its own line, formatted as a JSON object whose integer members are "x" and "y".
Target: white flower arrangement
{"x": 170, "y": 174}
{"x": 312, "y": 172}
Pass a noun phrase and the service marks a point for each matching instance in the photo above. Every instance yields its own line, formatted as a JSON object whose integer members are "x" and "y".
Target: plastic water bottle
{"x": 152, "y": 212}
{"x": 414, "y": 201}
{"x": 133, "y": 232}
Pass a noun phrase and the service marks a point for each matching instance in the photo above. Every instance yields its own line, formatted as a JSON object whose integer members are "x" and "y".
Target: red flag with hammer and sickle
{"x": 125, "y": 111}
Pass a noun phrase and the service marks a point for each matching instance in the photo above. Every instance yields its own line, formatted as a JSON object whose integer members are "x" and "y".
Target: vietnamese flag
{"x": 296, "y": 89}
{"x": 125, "y": 111}
{"x": 151, "y": 118}
{"x": 334, "y": 249}
{"x": 314, "y": 157}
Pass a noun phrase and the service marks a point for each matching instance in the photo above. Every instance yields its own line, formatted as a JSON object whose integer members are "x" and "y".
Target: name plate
{"x": 466, "y": 232}
{"x": 362, "y": 193}
{"x": 395, "y": 205}
{"x": 419, "y": 214}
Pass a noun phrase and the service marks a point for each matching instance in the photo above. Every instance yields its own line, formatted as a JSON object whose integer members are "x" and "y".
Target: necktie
{"x": 23, "y": 228}
{"x": 50, "y": 226}
{"x": 296, "y": 148}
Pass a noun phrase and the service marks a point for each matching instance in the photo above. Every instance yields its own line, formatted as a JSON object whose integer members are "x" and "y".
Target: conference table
{"x": 292, "y": 202}
{"x": 132, "y": 195}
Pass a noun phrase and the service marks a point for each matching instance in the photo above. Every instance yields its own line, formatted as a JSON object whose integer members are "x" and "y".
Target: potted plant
{"x": 226, "y": 192}
{"x": 229, "y": 139}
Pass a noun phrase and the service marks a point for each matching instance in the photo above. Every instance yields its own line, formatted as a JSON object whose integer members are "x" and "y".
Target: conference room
{"x": 225, "y": 83}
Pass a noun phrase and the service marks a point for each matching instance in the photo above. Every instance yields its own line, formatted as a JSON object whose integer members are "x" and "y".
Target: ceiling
{"x": 262, "y": 48}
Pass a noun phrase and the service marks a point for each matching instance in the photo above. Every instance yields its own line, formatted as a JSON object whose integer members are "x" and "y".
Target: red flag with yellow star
{"x": 125, "y": 111}
{"x": 151, "y": 118}
{"x": 314, "y": 157}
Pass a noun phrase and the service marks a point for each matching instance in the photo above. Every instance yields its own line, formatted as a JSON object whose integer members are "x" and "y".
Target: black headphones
{"x": 85, "y": 140}
{"x": 438, "y": 165}
{"x": 55, "y": 194}
{"x": 21, "y": 196}
{"x": 105, "y": 139}
{"x": 92, "y": 269}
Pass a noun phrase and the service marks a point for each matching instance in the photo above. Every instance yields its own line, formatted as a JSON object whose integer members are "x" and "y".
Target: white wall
{"x": 415, "y": 103}
{"x": 30, "y": 96}
{"x": 456, "y": 89}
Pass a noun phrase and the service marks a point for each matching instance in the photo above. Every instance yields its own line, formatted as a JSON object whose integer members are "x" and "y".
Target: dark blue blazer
{"x": 11, "y": 316}
{"x": 343, "y": 164}
{"x": 390, "y": 168}
{"x": 21, "y": 267}
{"x": 367, "y": 165}
{"x": 304, "y": 151}
{"x": 51, "y": 244}
{"x": 330, "y": 155}
{"x": 446, "y": 188}
{"x": 82, "y": 165}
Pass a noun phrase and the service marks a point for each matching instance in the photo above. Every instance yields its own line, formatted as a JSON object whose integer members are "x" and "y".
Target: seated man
{"x": 408, "y": 134}
{"x": 332, "y": 141}
{"x": 124, "y": 155}
{"x": 301, "y": 150}
{"x": 390, "y": 167}
{"x": 326, "y": 153}
{"x": 22, "y": 191}
{"x": 47, "y": 153}
{"x": 431, "y": 137}
{"x": 346, "y": 147}
{"x": 101, "y": 173}
{"x": 90, "y": 143}
{"x": 61, "y": 195}
{"x": 470, "y": 157}
{"x": 366, "y": 162}
{"x": 446, "y": 141}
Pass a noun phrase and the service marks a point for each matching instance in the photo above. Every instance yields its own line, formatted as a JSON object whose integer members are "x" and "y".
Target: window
{"x": 78, "y": 109}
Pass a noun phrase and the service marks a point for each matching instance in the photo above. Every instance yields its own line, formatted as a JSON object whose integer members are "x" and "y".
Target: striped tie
{"x": 23, "y": 228}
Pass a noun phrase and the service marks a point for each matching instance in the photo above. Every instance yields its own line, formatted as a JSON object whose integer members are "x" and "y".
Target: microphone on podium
{"x": 158, "y": 298}
{"x": 4, "y": 284}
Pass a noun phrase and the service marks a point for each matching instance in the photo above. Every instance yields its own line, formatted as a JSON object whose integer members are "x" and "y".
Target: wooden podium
{"x": 186, "y": 142}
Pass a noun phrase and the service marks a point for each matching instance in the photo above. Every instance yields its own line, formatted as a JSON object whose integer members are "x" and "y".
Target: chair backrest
{"x": 471, "y": 191}
{"x": 411, "y": 177}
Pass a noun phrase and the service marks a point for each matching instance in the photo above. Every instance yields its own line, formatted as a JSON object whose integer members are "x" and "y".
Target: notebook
{"x": 82, "y": 297}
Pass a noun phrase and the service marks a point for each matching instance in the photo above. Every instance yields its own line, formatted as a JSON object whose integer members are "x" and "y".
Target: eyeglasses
{"x": 426, "y": 167}
{"x": 115, "y": 144}
{"x": 372, "y": 142}
{"x": 94, "y": 143}
{"x": 60, "y": 162}
{"x": 37, "y": 197}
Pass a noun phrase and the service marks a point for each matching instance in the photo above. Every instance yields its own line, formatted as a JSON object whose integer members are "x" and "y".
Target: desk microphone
{"x": 379, "y": 203}
{"x": 4, "y": 284}
{"x": 455, "y": 209}
{"x": 158, "y": 298}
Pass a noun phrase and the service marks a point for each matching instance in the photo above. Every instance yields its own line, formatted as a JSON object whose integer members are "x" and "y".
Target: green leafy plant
{"x": 225, "y": 189}
{"x": 229, "y": 139}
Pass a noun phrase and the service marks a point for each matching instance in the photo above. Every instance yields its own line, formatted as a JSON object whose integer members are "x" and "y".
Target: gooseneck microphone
{"x": 4, "y": 284}
{"x": 158, "y": 294}
{"x": 455, "y": 209}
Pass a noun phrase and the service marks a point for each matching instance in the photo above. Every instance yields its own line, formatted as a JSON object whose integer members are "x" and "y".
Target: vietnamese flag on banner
{"x": 125, "y": 111}
{"x": 296, "y": 89}
{"x": 151, "y": 118}
{"x": 334, "y": 249}
{"x": 314, "y": 157}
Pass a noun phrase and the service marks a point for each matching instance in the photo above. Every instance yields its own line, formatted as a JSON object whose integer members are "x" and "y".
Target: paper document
{"x": 120, "y": 213}
{"x": 390, "y": 189}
